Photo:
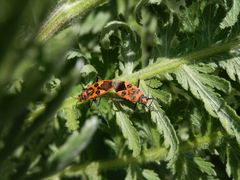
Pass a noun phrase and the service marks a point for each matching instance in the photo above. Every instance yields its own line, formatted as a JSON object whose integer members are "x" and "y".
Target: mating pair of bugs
{"x": 123, "y": 89}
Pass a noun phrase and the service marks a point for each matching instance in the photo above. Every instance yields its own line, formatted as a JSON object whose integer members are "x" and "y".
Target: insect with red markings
{"x": 130, "y": 92}
{"x": 95, "y": 90}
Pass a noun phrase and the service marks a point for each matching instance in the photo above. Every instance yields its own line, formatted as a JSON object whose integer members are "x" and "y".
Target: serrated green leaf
{"x": 195, "y": 119}
{"x": 211, "y": 80}
{"x": 71, "y": 116}
{"x": 232, "y": 16}
{"x": 175, "y": 5}
{"x": 130, "y": 41}
{"x": 164, "y": 127}
{"x": 190, "y": 17}
{"x": 150, "y": 174}
{"x": 92, "y": 171}
{"x": 129, "y": 132}
{"x": 232, "y": 66}
{"x": 75, "y": 144}
{"x": 138, "y": 10}
{"x": 215, "y": 82}
{"x": 87, "y": 69}
{"x": 233, "y": 160}
{"x": 187, "y": 168}
{"x": 162, "y": 95}
{"x": 108, "y": 31}
{"x": 132, "y": 173}
{"x": 214, "y": 104}
{"x": 205, "y": 68}
{"x": 73, "y": 54}
{"x": 232, "y": 155}
{"x": 130, "y": 46}
{"x": 205, "y": 166}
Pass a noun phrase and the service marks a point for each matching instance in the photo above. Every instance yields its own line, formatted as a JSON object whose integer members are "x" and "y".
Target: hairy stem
{"x": 152, "y": 155}
{"x": 165, "y": 65}
{"x": 63, "y": 14}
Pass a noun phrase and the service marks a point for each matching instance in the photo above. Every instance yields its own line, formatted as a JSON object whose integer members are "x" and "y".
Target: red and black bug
{"x": 95, "y": 90}
{"x": 130, "y": 92}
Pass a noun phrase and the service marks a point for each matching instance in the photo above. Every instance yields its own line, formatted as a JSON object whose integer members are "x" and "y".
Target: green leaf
{"x": 118, "y": 35}
{"x": 214, "y": 104}
{"x": 108, "y": 31}
{"x": 233, "y": 160}
{"x": 164, "y": 127}
{"x": 211, "y": 80}
{"x": 190, "y": 17}
{"x": 162, "y": 95}
{"x": 196, "y": 120}
{"x": 92, "y": 171}
{"x": 232, "y": 67}
{"x": 150, "y": 174}
{"x": 138, "y": 10}
{"x": 215, "y": 82}
{"x": 87, "y": 69}
{"x": 132, "y": 173}
{"x": 71, "y": 116}
{"x": 232, "y": 15}
{"x": 73, "y": 54}
{"x": 94, "y": 23}
{"x": 205, "y": 166}
{"x": 75, "y": 144}
{"x": 129, "y": 132}
{"x": 130, "y": 41}
{"x": 155, "y": 1}
{"x": 189, "y": 167}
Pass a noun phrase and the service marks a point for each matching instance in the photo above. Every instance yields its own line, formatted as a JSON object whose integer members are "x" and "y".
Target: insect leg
{"x": 138, "y": 83}
{"x": 91, "y": 102}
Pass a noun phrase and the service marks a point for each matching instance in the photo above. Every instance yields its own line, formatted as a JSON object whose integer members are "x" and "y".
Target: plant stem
{"x": 169, "y": 65}
{"x": 63, "y": 14}
{"x": 152, "y": 155}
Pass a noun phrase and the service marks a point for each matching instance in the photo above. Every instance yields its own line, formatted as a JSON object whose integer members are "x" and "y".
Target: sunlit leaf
{"x": 232, "y": 15}
{"x": 214, "y": 104}
{"x": 129, "y": 132}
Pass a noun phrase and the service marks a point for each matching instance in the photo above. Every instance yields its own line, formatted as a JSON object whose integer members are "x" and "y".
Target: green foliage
{"x": 129, "y": 132}
{"x": 186, "y": 54}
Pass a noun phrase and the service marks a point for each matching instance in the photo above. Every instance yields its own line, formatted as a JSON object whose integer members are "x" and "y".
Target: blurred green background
{"x": 50, "y": 49}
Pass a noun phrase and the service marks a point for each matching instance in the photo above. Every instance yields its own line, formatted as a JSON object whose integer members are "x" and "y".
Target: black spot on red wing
{"x": 90, "y": 91}
{"x": 136, "y": 91}
{"x": 98, "y": 92}
{"x": 123, "y": 93}
{"x": 96, "y": 84}
{"x": 119, "y": 86}
{"x": 129, "y": 86}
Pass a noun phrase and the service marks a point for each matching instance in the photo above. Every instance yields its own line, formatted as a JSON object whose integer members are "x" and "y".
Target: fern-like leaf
{"x": 214, "y": 104}
{"x": 232, "y": 67}
{"x": 232, "y": 15}
{"x": 164, "y": 127}
{"x": 129, "y": 132}
{"x": 74, "y": 145}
